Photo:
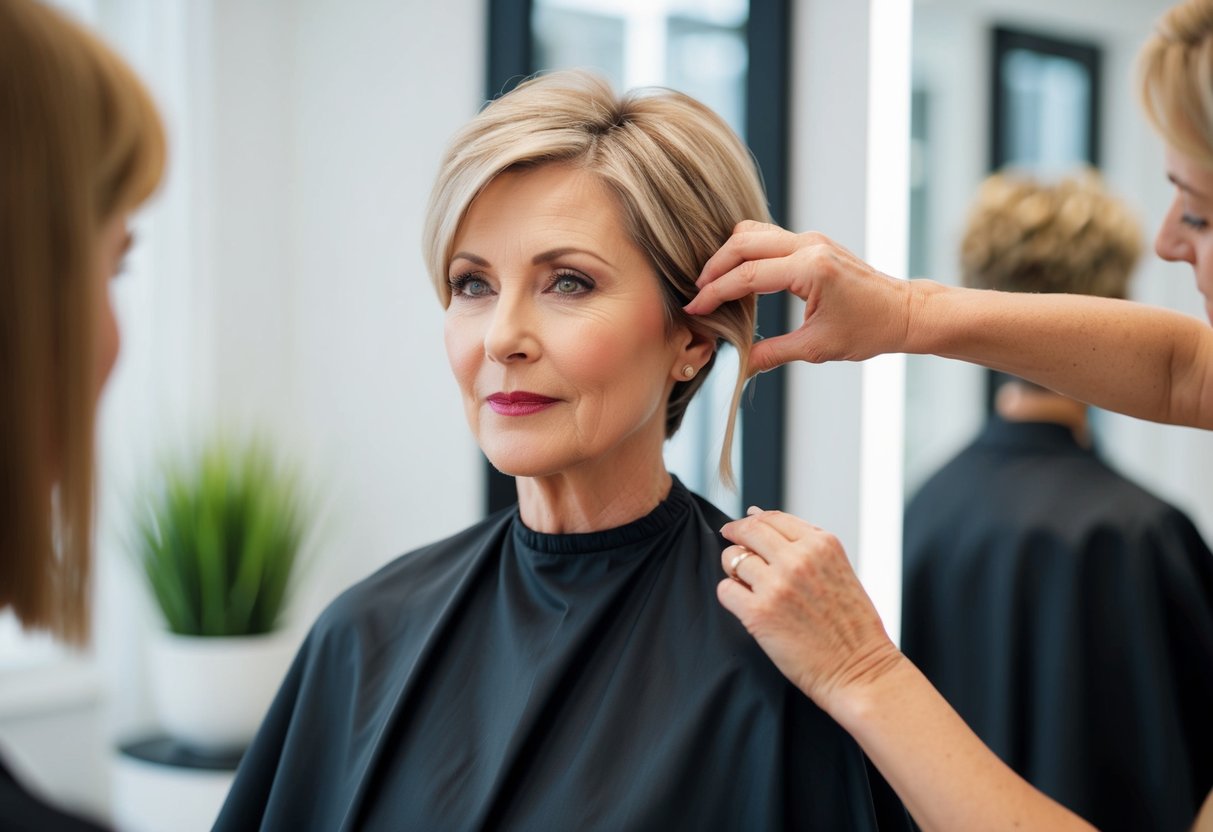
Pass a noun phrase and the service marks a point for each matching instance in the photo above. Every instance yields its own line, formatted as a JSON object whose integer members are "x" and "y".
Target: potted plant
{"x": 218, "y": 536}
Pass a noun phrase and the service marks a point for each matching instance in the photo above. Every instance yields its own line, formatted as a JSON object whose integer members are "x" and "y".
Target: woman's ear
{"x": 695, "y": 350}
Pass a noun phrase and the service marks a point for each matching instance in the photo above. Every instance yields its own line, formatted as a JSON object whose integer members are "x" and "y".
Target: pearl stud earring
{"x": 688, "y": 371}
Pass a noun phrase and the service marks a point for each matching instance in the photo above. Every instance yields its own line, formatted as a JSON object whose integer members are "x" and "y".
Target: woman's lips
{"x": 519, "y": 404}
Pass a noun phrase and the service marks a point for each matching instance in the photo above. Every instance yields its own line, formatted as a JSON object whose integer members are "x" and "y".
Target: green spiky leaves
{"x": 218, "y": 536}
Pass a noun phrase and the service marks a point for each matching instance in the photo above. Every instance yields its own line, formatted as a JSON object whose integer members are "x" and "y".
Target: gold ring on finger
{"x": 736, "y": 562}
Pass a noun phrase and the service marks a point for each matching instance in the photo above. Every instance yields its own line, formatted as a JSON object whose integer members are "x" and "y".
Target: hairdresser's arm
{"x": 1134, "y": 359}
{"x": 804, "y": 605}
{"x": 947, "y": 778}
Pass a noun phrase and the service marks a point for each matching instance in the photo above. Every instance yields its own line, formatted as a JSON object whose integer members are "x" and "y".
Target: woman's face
{"x": 114, "y": 243}
{"x": 556, "y": 331}
{"x": 1186, "y": 233}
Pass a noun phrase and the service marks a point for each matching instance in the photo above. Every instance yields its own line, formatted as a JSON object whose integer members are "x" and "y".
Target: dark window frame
{"x": 1006, "y": 39}
{"x": 510, "y": 52}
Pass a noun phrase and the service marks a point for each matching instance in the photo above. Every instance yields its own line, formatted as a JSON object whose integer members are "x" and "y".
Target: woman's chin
{"x": 519, "y": 463}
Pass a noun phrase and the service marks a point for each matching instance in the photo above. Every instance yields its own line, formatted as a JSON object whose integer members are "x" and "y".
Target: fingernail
{"x": 753, "y": 510}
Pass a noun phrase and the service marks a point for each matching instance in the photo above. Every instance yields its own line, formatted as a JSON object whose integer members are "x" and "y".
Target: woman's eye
{"x": 1193, "y": 221}
{"x": 470, "y": 286}
{"x": 570, "y": 284}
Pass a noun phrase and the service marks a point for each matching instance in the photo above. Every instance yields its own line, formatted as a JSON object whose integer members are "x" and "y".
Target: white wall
{"x": 323, "y": 128}
{"x": 828, "y": 168}
{"x": 327, "y": 124}
{"x": 379, "y": 88}
{"x": 849, "y": 166}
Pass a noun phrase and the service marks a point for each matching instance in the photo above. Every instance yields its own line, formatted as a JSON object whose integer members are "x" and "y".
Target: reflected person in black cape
{"x": 565, "y": 664}
{"x": 1064, "y": 611}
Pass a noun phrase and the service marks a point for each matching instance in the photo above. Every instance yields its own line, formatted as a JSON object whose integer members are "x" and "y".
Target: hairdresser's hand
{"x": 798, "y": 596}
{"x": 852, "y": 311}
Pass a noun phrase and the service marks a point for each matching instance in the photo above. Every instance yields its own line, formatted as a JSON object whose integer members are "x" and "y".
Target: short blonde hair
{"x": 682, "y": 176}
{"x": 1175, "y": 76}
{"x": 82, "y": 143}
{"x": 1071, "y": 236}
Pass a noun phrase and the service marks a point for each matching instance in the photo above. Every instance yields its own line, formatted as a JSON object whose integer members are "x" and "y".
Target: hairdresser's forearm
{"x": 1134, "y": 359}
{"x": 946, "y": 777}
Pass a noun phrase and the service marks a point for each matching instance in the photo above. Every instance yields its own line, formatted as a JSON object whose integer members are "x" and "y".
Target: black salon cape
{"x": 506, "y": 679}
{"x": 1067, "y": 614}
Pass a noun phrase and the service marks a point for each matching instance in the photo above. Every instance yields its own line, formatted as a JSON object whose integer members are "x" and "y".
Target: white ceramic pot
{"x": 212, "y": 692}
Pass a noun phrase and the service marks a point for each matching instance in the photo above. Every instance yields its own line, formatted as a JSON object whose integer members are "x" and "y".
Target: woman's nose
{"x": 1171, "y": 242}
{"x": 512, "y": 336}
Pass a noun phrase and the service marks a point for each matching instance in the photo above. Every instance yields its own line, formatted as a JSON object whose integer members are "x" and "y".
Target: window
{"x": 1045, "y": 103}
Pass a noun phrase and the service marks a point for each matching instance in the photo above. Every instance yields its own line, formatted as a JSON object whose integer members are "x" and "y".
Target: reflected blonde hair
{"x": 682, "y": 177}
{"x": 1175, "y": 76}
{"x": 82, "y": 142}
{"x": 1071, "y": 236}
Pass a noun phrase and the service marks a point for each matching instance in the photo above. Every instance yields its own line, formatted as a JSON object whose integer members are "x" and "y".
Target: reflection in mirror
{"x": 1041, "y": 582}
{"x": 1067, "y": 97}
{"x": 1045, "y": 111}
{"x": 698, "y": 48}
{"x": 1037, "y": 82}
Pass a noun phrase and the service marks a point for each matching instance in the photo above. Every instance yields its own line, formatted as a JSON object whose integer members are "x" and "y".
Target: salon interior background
{"x": 278, "y": 282}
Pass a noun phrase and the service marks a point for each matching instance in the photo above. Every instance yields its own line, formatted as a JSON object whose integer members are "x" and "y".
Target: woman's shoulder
{"x": 412, "y": 583}
{"x": 711, "y": 514}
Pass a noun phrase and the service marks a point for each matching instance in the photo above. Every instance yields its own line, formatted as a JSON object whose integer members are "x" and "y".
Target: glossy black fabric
{"x": 21, "y": 811}
{"x": 1067, "y": 614}
{"x": 505, "y": 679}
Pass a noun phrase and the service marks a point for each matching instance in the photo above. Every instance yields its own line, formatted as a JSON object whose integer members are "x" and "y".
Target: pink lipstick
{"x": 519, "y": 403}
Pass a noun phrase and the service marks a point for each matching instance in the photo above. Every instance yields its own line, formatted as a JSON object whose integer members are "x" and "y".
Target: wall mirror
{"x": 1047, "y": 88}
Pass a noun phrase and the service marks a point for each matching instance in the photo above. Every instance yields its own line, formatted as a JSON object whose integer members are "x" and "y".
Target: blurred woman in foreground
{"x": 82, "y": 147}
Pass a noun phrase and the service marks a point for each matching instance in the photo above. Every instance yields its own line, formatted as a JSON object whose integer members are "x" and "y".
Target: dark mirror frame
{"x": 510, "y": 59}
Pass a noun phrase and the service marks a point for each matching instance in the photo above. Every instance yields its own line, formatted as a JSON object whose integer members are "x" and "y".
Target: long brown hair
{"x": 82, "y": 143}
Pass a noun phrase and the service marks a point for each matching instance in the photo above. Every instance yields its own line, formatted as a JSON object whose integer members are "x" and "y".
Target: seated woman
{"x": 565, "y": 664}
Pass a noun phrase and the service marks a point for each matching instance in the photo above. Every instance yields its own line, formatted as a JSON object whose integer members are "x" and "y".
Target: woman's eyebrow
{"x": 465, "y": 255}
{"x": 557, "y": 253}
{"x": 1183, "y": 186}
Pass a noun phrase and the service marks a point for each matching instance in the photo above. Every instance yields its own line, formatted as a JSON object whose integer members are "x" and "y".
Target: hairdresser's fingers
{"x": 770, "y": 353}
{"x": 788, "y": 525}
{"x": 750, "y": 241}
{"x": 761, "y": 538}
{"x": 750, "y": 277}
{"x": 737, "y": 598}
